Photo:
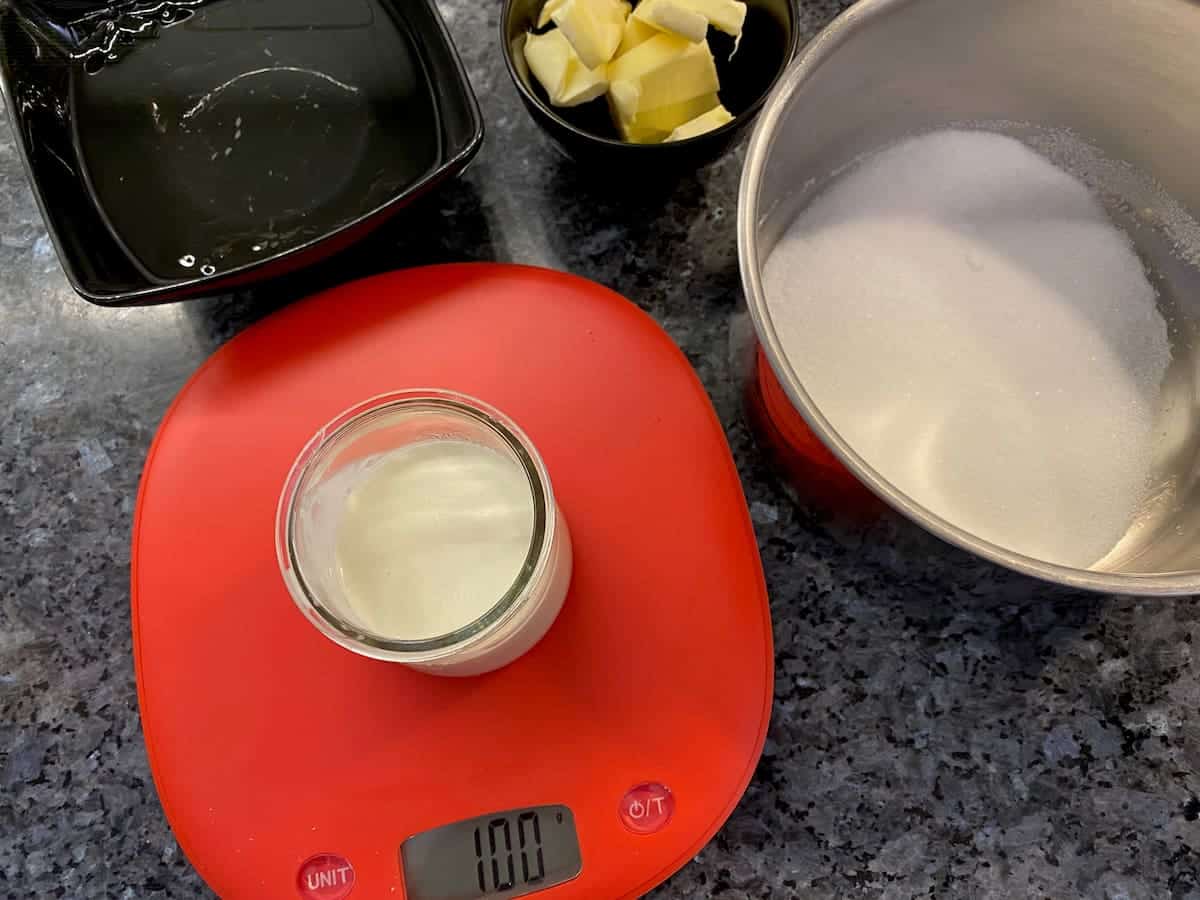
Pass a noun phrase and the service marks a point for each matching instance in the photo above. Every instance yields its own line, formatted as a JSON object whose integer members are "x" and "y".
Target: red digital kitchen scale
{"x": 593, "y": 767}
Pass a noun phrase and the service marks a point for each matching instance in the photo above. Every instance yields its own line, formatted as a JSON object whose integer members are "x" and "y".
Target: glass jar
{"x": 314, "y": 505}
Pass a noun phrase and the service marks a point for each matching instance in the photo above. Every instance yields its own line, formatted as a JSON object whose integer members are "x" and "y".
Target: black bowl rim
{"x": 279, "y": 262}
{"x": 789, "y": 53}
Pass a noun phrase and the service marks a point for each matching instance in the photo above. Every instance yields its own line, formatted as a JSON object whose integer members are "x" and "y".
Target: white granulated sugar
{"x": 970, "y": 321}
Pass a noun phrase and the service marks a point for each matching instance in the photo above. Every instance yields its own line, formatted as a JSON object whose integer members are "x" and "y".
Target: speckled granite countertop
{"x": 942, "y": 728}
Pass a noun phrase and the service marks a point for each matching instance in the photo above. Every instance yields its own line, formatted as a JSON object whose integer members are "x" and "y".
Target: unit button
{"x": 326, "y": 876}
{"x": 647, "y": 808}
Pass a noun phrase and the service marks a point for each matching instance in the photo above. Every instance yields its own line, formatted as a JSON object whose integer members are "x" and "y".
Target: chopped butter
{"x": 714, "y": 118}
{"x": 594, "y": 28}
{"x": 558, "y": 69}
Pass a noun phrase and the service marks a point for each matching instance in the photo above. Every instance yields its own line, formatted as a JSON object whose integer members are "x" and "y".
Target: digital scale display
{"x": 506, "y": 854}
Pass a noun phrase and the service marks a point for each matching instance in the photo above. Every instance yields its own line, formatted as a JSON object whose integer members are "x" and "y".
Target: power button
{"x": 647, "y": 808}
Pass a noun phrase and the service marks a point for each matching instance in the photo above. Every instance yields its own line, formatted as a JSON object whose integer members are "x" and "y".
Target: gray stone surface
{"x": 942, "y": 728}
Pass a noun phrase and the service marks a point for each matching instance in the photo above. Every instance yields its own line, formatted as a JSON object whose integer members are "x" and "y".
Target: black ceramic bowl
{"x": 184, "y": 147}
{"x": 587, "y": 133}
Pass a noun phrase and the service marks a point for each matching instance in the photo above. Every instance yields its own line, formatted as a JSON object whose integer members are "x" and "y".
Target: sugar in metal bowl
{"x": 1107, "y": 94}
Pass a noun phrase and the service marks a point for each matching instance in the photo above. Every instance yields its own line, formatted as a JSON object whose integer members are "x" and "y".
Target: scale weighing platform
{"x": 593, "y": 767}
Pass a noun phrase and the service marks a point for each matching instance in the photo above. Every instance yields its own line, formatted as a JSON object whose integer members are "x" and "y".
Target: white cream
{"x": 431, "y": 536}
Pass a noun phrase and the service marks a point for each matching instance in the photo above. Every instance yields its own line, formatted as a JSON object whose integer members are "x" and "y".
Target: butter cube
{"x": 615, "y": 10}
{"x": 594, "y": 28}
{"x": 666, "y": 69}
{"x": 683, "y": 17}
{"x": 623, "y": 97}
{"x": 724, "y": 15}
{"x": 636, "y": 32}
{"x": 667, "y": 118}
{"x": 635, "y": 135}
{"x": 714, "y": 118}
{"x": 673, "y": 16}
{"x": 622, "y": 103}
{"x": 655, "y": 125}
{"x": 559, "y": 70}
{"x": 583, "y": 84}
{"x": 548, "y": 9}
{"x": 548, "y": 57}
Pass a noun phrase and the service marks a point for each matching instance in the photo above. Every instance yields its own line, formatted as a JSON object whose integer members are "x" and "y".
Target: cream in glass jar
{"x": 420, "y": 527}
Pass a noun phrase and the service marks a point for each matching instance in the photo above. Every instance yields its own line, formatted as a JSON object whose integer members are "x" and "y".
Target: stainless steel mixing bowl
{"x": 1110, "y": 91}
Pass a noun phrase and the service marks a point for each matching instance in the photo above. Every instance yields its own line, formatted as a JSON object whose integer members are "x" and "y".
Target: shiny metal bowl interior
{"x": 1116, "y": 84}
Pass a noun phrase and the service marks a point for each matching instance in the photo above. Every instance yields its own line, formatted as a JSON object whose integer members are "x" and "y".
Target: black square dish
{"x": 182, "y": 147}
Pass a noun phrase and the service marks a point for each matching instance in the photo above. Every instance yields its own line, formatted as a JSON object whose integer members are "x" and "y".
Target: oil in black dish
{"x": 218, "y": 134}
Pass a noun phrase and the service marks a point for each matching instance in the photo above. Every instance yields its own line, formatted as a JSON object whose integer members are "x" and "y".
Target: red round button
{"x": 647, "y": 808}
{"x": 326, "y": 876}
